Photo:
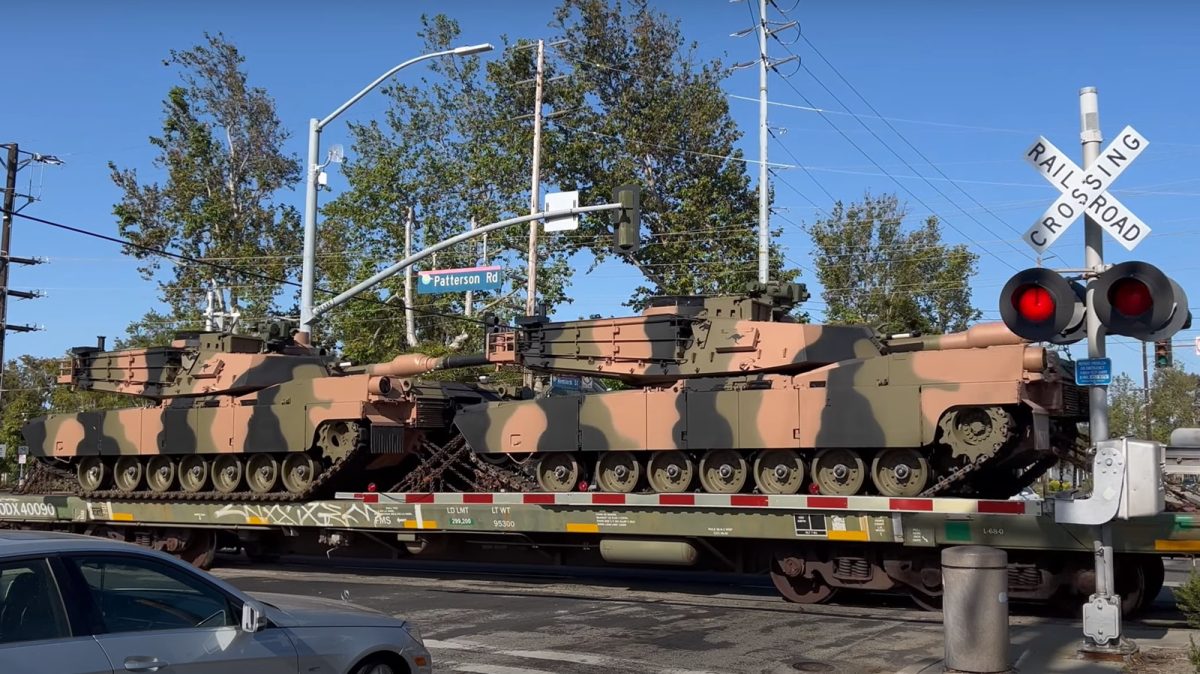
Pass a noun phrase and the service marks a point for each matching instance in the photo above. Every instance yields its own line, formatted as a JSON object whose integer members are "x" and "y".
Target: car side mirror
{"x": 253, "y": 619}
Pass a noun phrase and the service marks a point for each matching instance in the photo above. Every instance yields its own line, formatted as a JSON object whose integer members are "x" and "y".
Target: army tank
{"x": 729, "y": 394}
{"x": 217, "y": 415}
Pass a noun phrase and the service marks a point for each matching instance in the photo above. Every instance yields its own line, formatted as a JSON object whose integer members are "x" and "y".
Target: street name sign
{"x": 460, "y": 280}
{"x": 1093, "y": 372}
{"x": 1086, "y": 192}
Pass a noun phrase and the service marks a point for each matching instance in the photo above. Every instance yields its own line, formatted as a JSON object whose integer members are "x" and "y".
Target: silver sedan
{"x": 83, "y": 605}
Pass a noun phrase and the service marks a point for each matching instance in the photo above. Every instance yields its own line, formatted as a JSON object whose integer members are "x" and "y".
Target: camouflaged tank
{"x": 240, "y": 415}
{"x": 732, "y": 393}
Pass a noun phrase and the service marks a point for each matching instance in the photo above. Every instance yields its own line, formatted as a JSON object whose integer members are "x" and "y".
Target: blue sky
{"x": 968, "y": 84}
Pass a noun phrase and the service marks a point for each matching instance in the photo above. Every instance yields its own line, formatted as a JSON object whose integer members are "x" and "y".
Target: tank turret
{"x": 731, "y": 393}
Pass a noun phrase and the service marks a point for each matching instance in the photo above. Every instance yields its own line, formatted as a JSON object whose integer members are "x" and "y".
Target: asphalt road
{"x": 501, "y": 623}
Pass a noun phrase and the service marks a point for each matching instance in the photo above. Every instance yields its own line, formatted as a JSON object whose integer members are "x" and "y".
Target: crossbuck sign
{"x": 1086, "y": 192}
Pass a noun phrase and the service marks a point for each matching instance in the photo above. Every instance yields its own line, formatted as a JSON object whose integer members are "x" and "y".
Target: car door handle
{"x": 142, "y": 663}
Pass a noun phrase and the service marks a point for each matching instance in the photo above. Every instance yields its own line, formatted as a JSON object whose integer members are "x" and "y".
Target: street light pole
{"x": 312, "y": 171}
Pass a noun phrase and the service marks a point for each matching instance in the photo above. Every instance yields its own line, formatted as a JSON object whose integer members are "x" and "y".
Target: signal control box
{"x": 1127, "y": 483}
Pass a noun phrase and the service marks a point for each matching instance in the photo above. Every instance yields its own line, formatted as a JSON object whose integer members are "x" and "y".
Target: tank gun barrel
{"x": 413, "y": 364}
{"x": 976, "y": 337}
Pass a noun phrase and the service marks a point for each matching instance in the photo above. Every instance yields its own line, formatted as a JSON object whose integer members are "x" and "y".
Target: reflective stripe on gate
{"x": 750, "y": 501}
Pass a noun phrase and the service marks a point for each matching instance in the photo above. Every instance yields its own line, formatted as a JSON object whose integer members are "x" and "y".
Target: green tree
{"x": 1173, "y": 398}
{"x": 874, "y": 271}
{"x": 640, "y": 107}
{"x": 449, "y": 152}
{"x": 220, "y": 150}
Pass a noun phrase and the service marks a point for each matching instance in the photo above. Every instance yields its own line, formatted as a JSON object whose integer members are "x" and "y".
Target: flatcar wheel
{"x": 91, "y": 473}
{"x": 127, "y": 473}
{"x": 193, "y": 473}
{"x": 779, "y": 471}
{"x": 262, "y": 473}
{"x": 723, "y": 471}
{"x": 800, "y": 589}
{"x": 160, "y": 473}
{"x": 670, "y": 472}
{"x": 899, "y": 472}
{"x": 618, "y": 472}
{"x": 929, "y": 602}
{"x": 838, "y": 472}
{"x": 227, "y": 470}
{"x": 299, "y": 472}
{"x": 558, "y": 471}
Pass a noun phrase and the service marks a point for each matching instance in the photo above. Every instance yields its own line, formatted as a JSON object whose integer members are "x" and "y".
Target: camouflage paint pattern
{"x": 736, "y": 373}
{"x": 221, "y": 393}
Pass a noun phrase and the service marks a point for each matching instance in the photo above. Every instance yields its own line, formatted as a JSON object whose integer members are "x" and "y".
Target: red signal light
{"x": 1130, "y": 297}
{"x": 1034, "y": 303}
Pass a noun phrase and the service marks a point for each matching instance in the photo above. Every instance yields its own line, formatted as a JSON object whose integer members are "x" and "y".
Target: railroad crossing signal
{"x": 1134, "y": 299}
{"x": 1086, "y": 191}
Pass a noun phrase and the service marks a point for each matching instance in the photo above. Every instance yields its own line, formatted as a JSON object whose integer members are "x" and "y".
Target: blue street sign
{"x": 460, "y": 280}
{"x": 1093, "y": 372}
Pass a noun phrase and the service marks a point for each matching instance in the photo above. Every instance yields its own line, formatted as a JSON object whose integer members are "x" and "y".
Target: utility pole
{"x": 535, "y": 188}
{"x": 12, "y": 165}
{"x": 470, "y": 293}
{"x": 764, "y": 211}
{"x": 10, "y": 196}
{"x": 1146, "y": 390}
{"x": 410, "y": 325}
{"x": 764, "y": 31}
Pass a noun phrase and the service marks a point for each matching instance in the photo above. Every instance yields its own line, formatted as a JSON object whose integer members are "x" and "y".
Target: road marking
{"x": 480, "y": 668}
{"x": 590, "y": 659}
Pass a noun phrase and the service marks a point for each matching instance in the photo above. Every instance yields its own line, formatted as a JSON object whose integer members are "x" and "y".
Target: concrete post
{"x": 975, "y": 609}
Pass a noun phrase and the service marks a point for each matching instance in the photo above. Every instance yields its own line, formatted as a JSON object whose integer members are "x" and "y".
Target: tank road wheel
{"x": 670, "y": 472}
{"x": 838, "y": 472}
{"x": 193, "y": 473}
{"x": 899, "y": 472}
{"x": 976, "y": 432}
{"x": 227, "y": 473}
{"x": 299, "y": 472}
{"x": 779, "y": 471}
{"x": 618, "y": 472}
{"x": 262, "y": 473}
{"x": 558, "y": 471}
{"x": 160, "y": 473}
{"x": 788, "y": 576}
{"x": 723, "y": 471}
{"x": 91, "y": 473}
{"x": 127, "y": 473}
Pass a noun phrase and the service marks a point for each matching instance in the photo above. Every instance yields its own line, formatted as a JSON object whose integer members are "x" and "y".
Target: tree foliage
{"x": 449, "y": 152}
{"x": 1173, "y": 399}
{"x": 220, "y": 151}
{"x": 640, "y": 107}
{"x": 625, "y": 100}
{"x": 874, "y": 271}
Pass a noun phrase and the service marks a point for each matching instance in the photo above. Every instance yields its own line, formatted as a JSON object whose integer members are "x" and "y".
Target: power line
{"x": 903, "y": 138}
{"x": 234, "y": 270}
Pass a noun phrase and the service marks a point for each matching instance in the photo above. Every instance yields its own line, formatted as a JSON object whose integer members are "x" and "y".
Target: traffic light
{"x": 1042, "y": 306}
{"x": 1134, "y": 299}
{"x": 1162, "y": 354}
{"x": 628, "y": 219}
{"x": 1137, "y": 300}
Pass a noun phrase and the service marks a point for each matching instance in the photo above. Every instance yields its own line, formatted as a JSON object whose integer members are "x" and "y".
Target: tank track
{"x": 314, "y": 491}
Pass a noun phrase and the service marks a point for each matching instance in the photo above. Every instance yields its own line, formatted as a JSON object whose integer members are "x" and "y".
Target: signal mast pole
{"x": 1104, "y": 607}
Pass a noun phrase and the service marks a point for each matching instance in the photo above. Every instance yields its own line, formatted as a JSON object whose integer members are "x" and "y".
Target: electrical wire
{"x": 234, "y": 270}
